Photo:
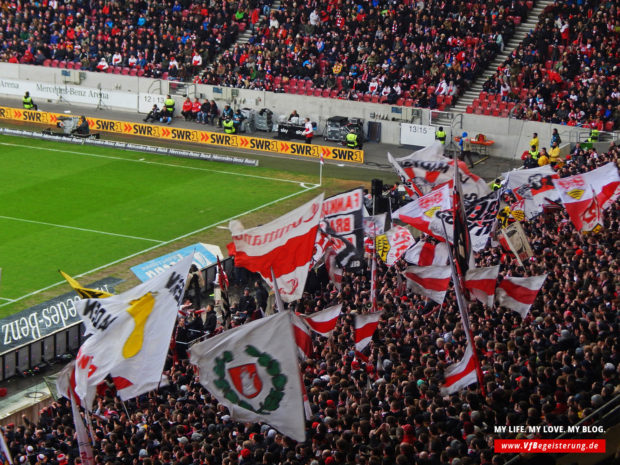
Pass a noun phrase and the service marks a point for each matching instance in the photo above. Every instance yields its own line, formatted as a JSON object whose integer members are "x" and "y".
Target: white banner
{"x": 40, "y": 91}
{"x": 416, "y": 134}
{"x": 146, "y": 102}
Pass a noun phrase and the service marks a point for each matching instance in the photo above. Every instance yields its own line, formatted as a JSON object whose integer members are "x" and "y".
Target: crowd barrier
{"x": 235, "y": 141}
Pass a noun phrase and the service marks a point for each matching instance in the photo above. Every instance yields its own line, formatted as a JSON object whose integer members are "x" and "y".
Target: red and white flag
{"x": 461, "y": 374}
{"x": 429, "y": 281}
{"x": 333, "y": 270}
{"x": 285, "y": 244}
{"x": 519, "y": 294}
{"x": 422, "y": 212}
{"x": 393, "y": 244}
{"x": 325, "y": 321}
{"x": 481, "y": 283}
{"x": 83, "y": 440}
{"x": 365, "y": 326}
{"x": 427, "y": 254}
{"x": 585, "y": 195}
{"x": 303, "y": 338}
{"x": 428, "y": 168}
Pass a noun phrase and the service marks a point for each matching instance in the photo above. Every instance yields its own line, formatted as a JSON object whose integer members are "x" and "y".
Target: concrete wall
{"x": 511, "y": 135}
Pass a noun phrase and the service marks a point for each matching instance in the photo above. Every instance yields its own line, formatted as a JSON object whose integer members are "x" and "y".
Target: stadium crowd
{"x": 552, "y": 368}
{"x": 423, "y": 52}
{"x": 565, "y": 70}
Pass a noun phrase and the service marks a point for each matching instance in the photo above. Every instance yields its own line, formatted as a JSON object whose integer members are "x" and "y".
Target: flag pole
{"x": 279, "y": 303}
{"x": 321, "y": 170}
{"x": 461, "y": 302}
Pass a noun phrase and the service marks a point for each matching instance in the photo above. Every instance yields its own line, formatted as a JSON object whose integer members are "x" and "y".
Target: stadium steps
{"x": 244, "y": 37}
{"x": 521, "y": 32}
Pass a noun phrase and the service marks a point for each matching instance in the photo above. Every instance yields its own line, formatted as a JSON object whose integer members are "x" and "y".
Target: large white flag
{"x": 285, "y": 244}
{"x": 84, "y": 445}
{"x": 253, "y": 371}
{"x": 130, "y": 334}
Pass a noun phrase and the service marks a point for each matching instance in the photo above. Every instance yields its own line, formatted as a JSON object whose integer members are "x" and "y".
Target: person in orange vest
{"x": 186, "y": 111}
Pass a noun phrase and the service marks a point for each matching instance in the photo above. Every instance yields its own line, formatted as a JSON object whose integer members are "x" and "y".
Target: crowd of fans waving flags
{"x": 430, "y": 242}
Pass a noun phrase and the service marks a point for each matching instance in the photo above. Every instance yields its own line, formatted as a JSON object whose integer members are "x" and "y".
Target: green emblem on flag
{"x": 247, "y": 383}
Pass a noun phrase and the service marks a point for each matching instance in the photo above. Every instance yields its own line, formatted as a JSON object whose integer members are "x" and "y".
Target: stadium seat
{"x": 448, "y": 100}
{"x": 70, "y": 65}
{"x": 366, "y": 98}
{"x": 133, "y": 72}
{"x": 505, "y": 113}
{"x": 77, "y": 65}
{"x": 440, "y": 99}
{"x": 117, "y": 70}
{"x": 141, "y": 72}
{"x": 47, "y": 62}
{"x": 62, "y": 64}
{"x": 469, "y": 109}
{"x": 325, "y": 93}
{"x": 374, "y": 99}
{"x": 54, "y": 63}
{"x": 333, "y": 93}
{"x": 165, "y": 75}
{"x": 409, "y": 102}
{"x": 400, "y": 102}
{"x": 609, "y": 126}
{"x": 317, "y": 92}
{"x": 125, "y": 71}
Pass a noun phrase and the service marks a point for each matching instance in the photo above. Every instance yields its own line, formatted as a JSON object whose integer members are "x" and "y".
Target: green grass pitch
{"x": 80, "y": 208}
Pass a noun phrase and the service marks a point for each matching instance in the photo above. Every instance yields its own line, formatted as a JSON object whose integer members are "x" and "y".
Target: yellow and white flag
{"x": 130, "y": 334}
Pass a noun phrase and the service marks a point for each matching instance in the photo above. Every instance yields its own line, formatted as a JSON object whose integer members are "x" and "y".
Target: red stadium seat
{"x": 54, "y": 63}
{"x": 400, "y": 102}
{"x": 409, "y": 102}
{"x": 325, "y": 93}
{"x": 609, "y": 126}
{"x": 375, "y": 99}
{"x": 77, "y": 65}
{"x": 70, "y": 65}
{"x": 47, "y": 62}
{"x": 333, "y": 93}
{"x": 309, "y": 84}
{"x": 62, "y": 64}
{"x": 448, "y": 100}
{"x": 133, "y": 72}
{"x": 141, "y": 72}
{"x": 317, "y": 92}
{"x": 125, "y": 71}
{"x": 469, "y": 109}
{"x": 165, "y": 75}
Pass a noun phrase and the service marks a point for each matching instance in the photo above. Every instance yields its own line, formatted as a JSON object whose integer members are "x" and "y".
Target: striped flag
{"x": 284, "y": 245}
{"x": 365, "y": 326}
{"x": 429, "y": 281}
{"x": 303, "y": 338}
{"x": 325, "y": 321}
{"x": 481, "y": 282}
{"x": 333, "y": 270}
{"x": 519, "y": 294}
{"x": 427, "y": 254}
{"x": 461, "y": 374}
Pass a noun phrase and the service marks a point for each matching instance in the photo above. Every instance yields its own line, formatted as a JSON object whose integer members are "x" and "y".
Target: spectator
{"x": 186, "y": 111}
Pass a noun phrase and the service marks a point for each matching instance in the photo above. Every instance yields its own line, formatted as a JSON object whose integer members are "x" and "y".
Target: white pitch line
{"x": 109, "y": 157}
{"x": 80, "y": 229}
{"x": 9, "y": 300}
{"x": 165, "y": 243}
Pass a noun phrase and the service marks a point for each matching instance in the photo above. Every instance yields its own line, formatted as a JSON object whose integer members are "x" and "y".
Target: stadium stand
{"x": 426, "y": 53}
{"x": 565, "y": 71}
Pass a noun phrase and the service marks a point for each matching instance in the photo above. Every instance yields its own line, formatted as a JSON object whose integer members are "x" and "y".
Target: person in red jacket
{"x": 186, "y": 111}
{"x": 195, "y": 108}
